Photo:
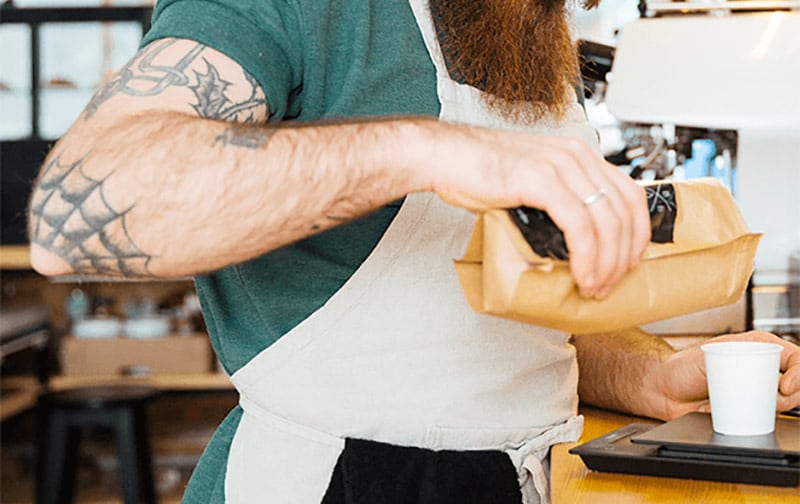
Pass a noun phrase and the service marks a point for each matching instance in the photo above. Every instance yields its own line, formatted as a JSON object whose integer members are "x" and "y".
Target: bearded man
{"x": 516, "y": 52}
{"x": 313, "y": 165}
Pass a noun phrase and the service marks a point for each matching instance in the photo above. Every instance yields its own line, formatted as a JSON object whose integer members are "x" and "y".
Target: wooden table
{"x": 573, "y": 483}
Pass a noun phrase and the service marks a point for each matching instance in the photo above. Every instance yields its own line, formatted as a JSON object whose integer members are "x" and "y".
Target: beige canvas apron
{"x": 397, "y": 356}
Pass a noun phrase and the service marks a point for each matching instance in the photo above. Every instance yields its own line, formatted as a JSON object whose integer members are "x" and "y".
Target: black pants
{"x": 368, "y": 472}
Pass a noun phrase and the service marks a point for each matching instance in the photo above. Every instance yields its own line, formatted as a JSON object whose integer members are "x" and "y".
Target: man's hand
{"x": 640, "y": 373}
{"x": 681, "y": 377}
{"x": 602, "y": 212}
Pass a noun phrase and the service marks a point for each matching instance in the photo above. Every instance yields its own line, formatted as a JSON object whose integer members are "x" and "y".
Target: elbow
{"x": 44, "y": 258}
{"x": 47, "y": 263}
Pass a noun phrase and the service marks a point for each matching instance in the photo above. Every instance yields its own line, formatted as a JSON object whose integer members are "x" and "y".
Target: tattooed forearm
{"x": 336, "y": 219}
{"x": 251, "y": 137}
{"x": 160, "y": 67}
{"x": 74, "y": 221}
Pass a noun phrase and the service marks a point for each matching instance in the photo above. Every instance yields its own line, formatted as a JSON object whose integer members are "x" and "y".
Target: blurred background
{"x": 69, "y": 332}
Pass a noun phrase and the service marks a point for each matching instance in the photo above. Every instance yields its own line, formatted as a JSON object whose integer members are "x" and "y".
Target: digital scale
{"x": 689, "y": 448}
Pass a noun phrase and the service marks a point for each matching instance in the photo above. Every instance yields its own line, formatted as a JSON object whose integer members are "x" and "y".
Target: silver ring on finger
{"x": 595, "y": 196}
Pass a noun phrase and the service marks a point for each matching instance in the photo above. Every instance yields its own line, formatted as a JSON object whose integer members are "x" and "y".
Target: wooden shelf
{"x": 15, "y": 257}
{"x": 187, "y": 382}
{"x": 21, "y": 393}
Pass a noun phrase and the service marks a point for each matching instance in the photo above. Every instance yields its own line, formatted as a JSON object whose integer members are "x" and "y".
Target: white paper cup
{"x": 742, "y": 386}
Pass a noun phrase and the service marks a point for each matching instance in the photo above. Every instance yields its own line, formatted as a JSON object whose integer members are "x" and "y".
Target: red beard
{"x": 516, "y": 51}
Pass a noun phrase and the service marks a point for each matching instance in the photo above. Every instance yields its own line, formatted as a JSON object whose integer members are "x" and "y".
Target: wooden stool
{"x": 62, "y": 416}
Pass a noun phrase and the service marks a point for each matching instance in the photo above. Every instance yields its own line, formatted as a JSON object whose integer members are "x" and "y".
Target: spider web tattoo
{"x": 69, "y": 213}
{"x": 74, "y": 221}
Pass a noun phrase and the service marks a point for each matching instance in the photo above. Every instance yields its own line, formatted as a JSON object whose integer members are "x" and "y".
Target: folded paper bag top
{"x": 701, "y": 256}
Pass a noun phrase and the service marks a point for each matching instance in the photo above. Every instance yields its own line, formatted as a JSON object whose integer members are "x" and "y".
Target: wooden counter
{"x": 573, "y": 483}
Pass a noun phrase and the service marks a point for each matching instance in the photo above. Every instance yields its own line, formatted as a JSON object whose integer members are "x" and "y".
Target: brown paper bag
{"x": 704, "y": 260}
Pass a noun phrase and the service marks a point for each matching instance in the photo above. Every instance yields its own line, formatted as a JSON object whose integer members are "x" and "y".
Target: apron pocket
{"x": 370, "y": 472}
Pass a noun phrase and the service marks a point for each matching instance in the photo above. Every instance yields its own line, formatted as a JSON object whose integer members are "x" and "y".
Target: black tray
{"x": 617, "y": 452}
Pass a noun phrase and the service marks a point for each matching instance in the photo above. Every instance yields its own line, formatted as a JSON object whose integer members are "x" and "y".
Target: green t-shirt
{"x": 314, "y": 59}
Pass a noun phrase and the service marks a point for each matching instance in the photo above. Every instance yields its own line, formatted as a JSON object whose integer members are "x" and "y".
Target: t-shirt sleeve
{"x": 261, "y": 35}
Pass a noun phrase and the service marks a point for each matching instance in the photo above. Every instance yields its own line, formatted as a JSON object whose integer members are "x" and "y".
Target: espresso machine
{"x": 726, "y": 70}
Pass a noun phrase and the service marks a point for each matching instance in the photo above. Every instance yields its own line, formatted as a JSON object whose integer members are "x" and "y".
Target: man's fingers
{"x": 635, "y": 199}
{"x": 611, "y": 230}
{"x": 615, "y": 235}
{"x": 618, "y": 209}
{"x": 790, "y": 381}
{"x": 678, "y": 409}
{"x": 642, "y": 233}
{"x": 578, "y": 226}
{"x": 630, "y": 204}
{"x": 609, "y": 183}
{"x": 591, "y": 259}
{"x": 787, "y": 402}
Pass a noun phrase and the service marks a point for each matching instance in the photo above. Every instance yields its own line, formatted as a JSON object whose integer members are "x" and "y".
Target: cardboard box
{"x": 174, "y": 354}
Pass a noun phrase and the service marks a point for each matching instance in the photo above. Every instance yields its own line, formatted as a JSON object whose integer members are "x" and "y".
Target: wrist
{"x": 624, "y": 371}
{"x": 653, "y": 400}
{"x": 415, "y": 149}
